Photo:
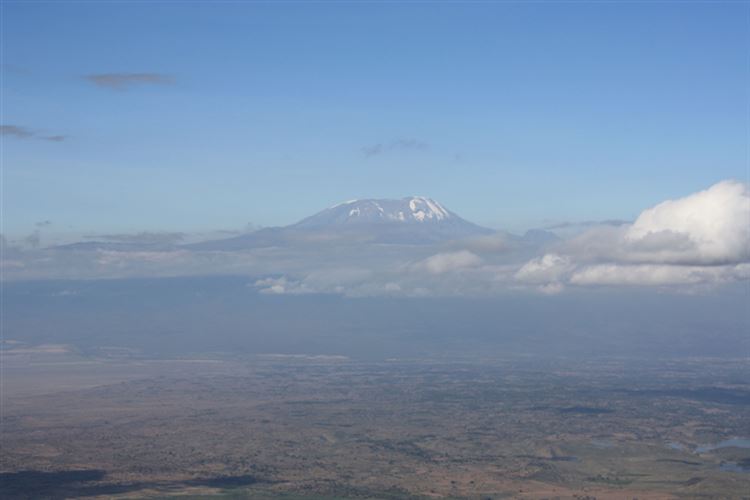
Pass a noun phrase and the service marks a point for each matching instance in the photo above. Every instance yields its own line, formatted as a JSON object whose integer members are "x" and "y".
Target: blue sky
{"x": 512, "y": 115}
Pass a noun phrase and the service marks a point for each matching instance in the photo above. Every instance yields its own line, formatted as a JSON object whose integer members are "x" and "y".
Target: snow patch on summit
{"x": 415, "y": 218}
{"x": 424, "y": 208}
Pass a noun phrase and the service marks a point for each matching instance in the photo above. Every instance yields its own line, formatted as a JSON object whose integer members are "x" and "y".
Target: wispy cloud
{"x": 588, "y": 223}
{"x": 449, "y": 261}
{"x": 16, "y": 131}
{"x": 145, "y": 237}
{"x": 34, "y": 239}
{"x": 26, "y": 133}
{"x": 53, "y": 138}
{"x": 125, "y": 81}
{"x": 395, "y": 145}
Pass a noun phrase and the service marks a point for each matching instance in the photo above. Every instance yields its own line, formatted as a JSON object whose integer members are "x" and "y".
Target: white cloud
{"x": 546, "y": 269}
{"x": 449, "y": 261}
{"x": 708, "y": 227}
{"x": 279, "y": 286}
{"x": 701, "y": 238}
{"x": 656, "y": 274}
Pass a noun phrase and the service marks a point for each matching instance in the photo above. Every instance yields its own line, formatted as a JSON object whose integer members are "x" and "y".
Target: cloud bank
{"x": 703, "y": 238}
{"x": 688, "y": 244}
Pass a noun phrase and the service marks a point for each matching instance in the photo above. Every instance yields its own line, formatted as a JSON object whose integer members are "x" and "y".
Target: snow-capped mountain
{"x": 413, "y": 210}
{"x": 414, "y": 220}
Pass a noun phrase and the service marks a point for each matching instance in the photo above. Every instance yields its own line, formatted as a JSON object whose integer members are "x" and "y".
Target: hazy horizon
{"x": 374, "y": 250}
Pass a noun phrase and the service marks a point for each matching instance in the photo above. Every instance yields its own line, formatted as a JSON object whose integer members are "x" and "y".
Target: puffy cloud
{"x": 701, "y": 238}
{"x": 546, "y": 269}
{"x": 274, "y": 286}
{"x": 708, "y": 227}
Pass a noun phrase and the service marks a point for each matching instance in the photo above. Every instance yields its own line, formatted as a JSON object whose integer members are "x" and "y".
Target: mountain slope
{"x": 414, "y": 220}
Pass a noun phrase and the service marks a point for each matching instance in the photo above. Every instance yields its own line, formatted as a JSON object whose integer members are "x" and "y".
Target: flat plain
{"x": 315, "y": 426}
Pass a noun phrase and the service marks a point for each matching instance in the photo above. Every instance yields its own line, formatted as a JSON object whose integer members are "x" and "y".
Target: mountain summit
{"x": 416, "y": 209}
{"x": 414, "y": 220}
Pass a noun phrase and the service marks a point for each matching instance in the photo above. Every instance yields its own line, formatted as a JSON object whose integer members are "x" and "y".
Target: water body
{"x": 602, "y": 443}
{"x": 734, "y": 467}
{"x": 736, "y": 442}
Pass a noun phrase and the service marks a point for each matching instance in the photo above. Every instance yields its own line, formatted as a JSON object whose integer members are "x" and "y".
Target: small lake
{"x": 602, "y": 443}
{"x": 734, "y": 467}
{"x": 727, "y": 443}
{"x": 736, "y": 442}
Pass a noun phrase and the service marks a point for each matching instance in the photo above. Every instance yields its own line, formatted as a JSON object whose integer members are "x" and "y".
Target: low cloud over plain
{"x": 693, "y": 243}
